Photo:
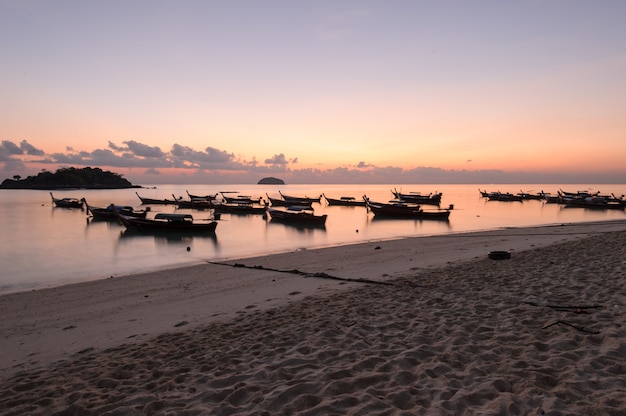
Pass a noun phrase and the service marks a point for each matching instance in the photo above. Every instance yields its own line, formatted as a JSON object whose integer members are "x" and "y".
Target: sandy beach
{"x": 425, "y": 325}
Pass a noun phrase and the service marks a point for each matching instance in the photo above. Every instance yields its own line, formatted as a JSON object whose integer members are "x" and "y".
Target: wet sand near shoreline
{"x": 417, "y": 325}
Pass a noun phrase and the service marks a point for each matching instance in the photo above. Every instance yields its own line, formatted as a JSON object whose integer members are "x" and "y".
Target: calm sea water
{"x": 47, "y": 246}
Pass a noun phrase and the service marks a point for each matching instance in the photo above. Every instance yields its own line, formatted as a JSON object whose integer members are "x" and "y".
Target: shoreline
{"x": 49, "y": 329}
{"x": 56, "y": 322}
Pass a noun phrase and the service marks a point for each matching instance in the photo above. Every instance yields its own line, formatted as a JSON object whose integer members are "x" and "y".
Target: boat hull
{"x": 66, "y": 202}
{"x": 414, "y": 198}
{"x": 151, "y": 201}
{"x": 144, "y": 224}
{"x": 297, "y": 217}
{"x": 405, "y": 211}
{"x": 344, "y": 202}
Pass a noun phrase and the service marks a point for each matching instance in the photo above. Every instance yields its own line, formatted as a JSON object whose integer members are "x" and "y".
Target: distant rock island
{"x": 271, "y": 181}
{"x": 85, "y": 178}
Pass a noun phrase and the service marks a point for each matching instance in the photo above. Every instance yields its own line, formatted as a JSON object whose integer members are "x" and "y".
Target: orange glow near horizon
{"x": 375, "y": 89}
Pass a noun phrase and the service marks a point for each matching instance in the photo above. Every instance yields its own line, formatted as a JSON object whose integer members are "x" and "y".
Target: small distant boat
{"x": 550, "y": 199}
{"x": 528, "y": 196}
{"x": 297, "y": 215}
{"x": 281, "y": 202}
{"x": 578, "y": 194}
{"x": 151, "y": 201}
{"x": 500, "y": 196}
{"x": 202, "y": 197}
{"x": 348, "y": 201}
{"x": 300, "y": 200}
{"x": 241, "y": 199}
{"x": 194, "y": 203}
{"x": 66, "y": 202}
{"x": 592, "y": 201}
{"x": 168, "y": 222}
{"x": 400, "y": 209}
{"x": 112, "y": 211}
{"x": 418, "y": 198}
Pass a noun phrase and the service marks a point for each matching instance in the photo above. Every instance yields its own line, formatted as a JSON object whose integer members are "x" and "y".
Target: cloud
{"x": 133, "y": 154}
{"x": 111, "y": 146}
{"x": 8, "y": 150}
{"x": 211, "y": 158}
{"x": 142, "y": 150}
{"x": 182, "y": 164}
{"x": 277, "y": 160}
{"x": 29, "y": 149}
{"x": 103, "y": 157}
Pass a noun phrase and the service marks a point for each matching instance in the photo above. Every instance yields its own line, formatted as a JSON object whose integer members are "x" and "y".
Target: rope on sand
{"x": 305, "y": 274}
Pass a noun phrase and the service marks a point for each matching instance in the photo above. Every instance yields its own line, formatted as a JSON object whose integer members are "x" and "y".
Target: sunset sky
{"x": 404, "y": 91}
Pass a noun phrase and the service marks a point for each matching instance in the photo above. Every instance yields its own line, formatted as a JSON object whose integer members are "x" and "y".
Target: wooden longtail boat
{"x": 300, "y": 200}
{"x": 66, "y": 202}
{"x": 111, "y": 212}
{"x": 280, "y": 202}
{"x": 418, "y": 198}
{"x": 168, "y": 222}
{"x": 296, "y": 214}
{"x": 194, "y": 203}
{"x": 500, "y": 196}
{"x": 404, "y": 210}
{"x": 241, "y": 199}
{"x": 151, "y": 201}
{"x": 209, "y": 197}
{"x": 346, "y": 201}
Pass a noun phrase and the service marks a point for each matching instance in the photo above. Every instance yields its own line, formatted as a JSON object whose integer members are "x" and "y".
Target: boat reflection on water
{"x": 435, "y": 220}
{"x": 108, "y": 223}
{"x": 434, "y": 225}
{"x": 302, "y": 227}
{"x": 168, "y": 237}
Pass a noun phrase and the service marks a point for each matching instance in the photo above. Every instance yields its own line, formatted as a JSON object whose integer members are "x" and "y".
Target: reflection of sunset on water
{"x": 50, "y": 245}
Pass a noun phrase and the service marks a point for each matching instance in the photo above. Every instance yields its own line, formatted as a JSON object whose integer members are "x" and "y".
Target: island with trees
{"x": 66, "y": 178}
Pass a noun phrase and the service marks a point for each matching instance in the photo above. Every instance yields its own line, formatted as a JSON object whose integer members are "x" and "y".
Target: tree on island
{"x": 86, "y": 178}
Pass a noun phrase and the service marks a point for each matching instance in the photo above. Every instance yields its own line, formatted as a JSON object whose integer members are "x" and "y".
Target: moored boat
{"x": 241, "y": 199}
{"x": 593, "y": 202}
{"x": 66, "y": 202}
{"x": 112, "y": 211}
{"x": 398, "y": 209}
{"x": 168, "y": 222}
{"x": 578, "y": 194}
{"x": 194, "y": 203}
{"x": 529, "y": 196}
{"x": 418, "y": 198}
{"x": 297, "y": 215}
{"x": 501, "y": 196}
{"x": 152, "y": 201}
{"x": 299, "y": 200}
{"x": 347, "y": 201}
{"x": 281, "y": 202}
{"x": 201, "y": 197}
